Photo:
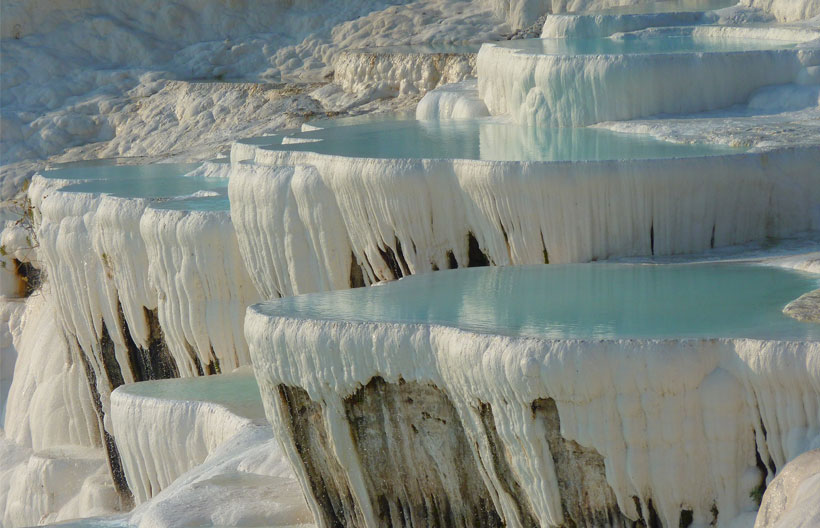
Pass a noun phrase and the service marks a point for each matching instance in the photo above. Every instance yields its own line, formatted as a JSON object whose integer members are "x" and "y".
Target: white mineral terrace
{"x": 155, "y": 291}
{"x": 664, "y": 13}
{"x": 208, "y": 434}
{"x": 425, "y": 210}
{"x": 164, "y": 429}
{"x": 578, "y": 82}
{"x": 226, "y": 343}
{"x": 744, "y": 383}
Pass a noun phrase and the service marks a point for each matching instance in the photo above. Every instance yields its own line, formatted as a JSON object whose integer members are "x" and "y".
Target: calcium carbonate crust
{"x": 559, "y": 90}
{"x": 313, "y": 222}
{"x": 647, "y": 407}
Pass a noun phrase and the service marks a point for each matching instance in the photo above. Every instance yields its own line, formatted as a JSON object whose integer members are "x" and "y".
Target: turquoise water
{"x": 236, "y": 391}
{"x": 261, "y": 140}
{"x": 161, "y": 180}
{"x": 205, "y": 203}
{"x": 640, "y": 44}
{"x": 488, "y": 139}
{"x": 102, "y": 170}
{"x": 586, "y": 301}
{"x": 664, "y": 6}
{"x": 381, "y": 117}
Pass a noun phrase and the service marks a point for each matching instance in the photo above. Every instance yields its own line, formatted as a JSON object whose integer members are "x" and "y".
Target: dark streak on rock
{"x": 587, "y": 500}
{"x": 156, "y": 362}
{"x": 405, "y": 480}
{"x": 502, "y": 469}
{"x": 328, "y": 481}
{"x": 475, "y": 257}
{"x": 452, "y": 262}
{"x": 111, "y": 451}
{"x": 356, "y": 274}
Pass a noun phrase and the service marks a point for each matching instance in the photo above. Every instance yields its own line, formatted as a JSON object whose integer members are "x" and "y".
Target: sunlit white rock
{"x": 559, "y": 90}
{"x": 452, "y": 101}
{"x": 648, "y": 406}
{"x": 791, "y": 498}
{"x": 424, "y": 210}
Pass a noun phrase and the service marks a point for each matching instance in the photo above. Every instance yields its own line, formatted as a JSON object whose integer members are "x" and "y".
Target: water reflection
{"x": 581, "y": 301}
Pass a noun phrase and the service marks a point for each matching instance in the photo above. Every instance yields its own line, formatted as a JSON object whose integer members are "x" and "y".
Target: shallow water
{"x": 199, "y": 203}
{"x": 663, "y": 6}
{"x": 488, "y": 139}
{"x": 102, "y": 170}
{"x": 640, "y": 43}
{"x": 586, "y": 301}
{"x": 236, "y": 391}
{"x": 161, "y": 180}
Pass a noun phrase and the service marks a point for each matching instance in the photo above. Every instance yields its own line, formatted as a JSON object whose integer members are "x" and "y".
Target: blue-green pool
{"x": 487, "y": 139}
{"x": 237, "y": 391}
{"x": 162, "y": 180}
{"x": 219, "y": 202}
{"x": 584, "y": 301}
{"x": 642, "y": 43}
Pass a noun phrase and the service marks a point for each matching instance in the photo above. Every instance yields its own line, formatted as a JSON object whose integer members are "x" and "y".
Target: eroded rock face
{"x": 328, "y": 483}
{"x": 413, "y": 430}
{"x": 418, "y": 466}
{"x": 586, "y": 497}
{"x": 421, "y": 467}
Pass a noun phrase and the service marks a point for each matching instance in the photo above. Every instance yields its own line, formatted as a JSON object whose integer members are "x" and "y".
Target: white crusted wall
{"x": 11, "y": 311}
{"x": 202, "y": 287}
{"x": 648, "y": 407}
{"x": 397, "y": 73}
{"x": 452, "y": 101}
{"x": 290, "y": 231}
{"x": 49, "y": 403}
{"x": 575, "y": 212}
{"x": 53, "y": 467}
{"x": 787, "y": 10}
{"x": 603, "y": 25}
{"x": 162, "y": 437}
{"x": 556, "y": 90}
{"x": 105, "y": 253}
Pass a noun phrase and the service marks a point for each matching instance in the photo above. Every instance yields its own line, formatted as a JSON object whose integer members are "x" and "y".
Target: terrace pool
{"x": 161, "y": 180}
{"x": 487, "y": 139}
{"x": 644, "y": 43}
{"x": 582, "y": 301}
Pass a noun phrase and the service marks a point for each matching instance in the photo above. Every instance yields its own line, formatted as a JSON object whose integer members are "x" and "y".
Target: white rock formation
{"x": 116, "y": 314}
{"x": 202, "y": 288}
{"x": 244, "y": 482}
{"x": 165, "y": 428}
{"x": 805, "y": 308}
{"x": 54, "y": 467}
{"x": 65, "y": 94}
{"x": 401, "y": 71}
{"x": 557, "y": 90}
{"x": 381, "y": 219}
{"x": 647, "y": 407}
{"x": 452, "y": 101}
{"x": 592, "y": 25}
{"x": 200, "y": 451}
{"x": 791, "y": 499}
{"x": 787, "y": 10}
{"x": 11, "y": 311}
